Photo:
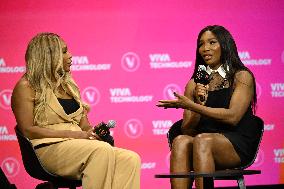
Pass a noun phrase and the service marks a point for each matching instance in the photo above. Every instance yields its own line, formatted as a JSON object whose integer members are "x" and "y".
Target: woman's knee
{"x": 203, "y": 141}
{"x": 102, "y": 148}
{"x": 182, "y": 141}
{"x": 130, "y": 158}
{"x": 134, "y": 158}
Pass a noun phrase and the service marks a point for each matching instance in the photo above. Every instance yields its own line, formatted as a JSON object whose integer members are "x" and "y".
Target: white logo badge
{"x": 133, "y": 128}
{"x": 91, "y": 95}
{"x": 258, "y": 90}
{"x": 130, "y": 61}
{"x": 5, "y": 99}
{"x": 10, "y": 167}
{"x": 259, "y": 159}
{"x": 2, "y": 62}
{"x": 169, "y": 91}
{"x": 168, "y": 158}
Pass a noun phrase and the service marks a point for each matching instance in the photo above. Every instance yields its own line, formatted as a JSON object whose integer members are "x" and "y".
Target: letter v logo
{"x": 5, "y": 99}
{"x": 133, "y": 128}
{"x": 259, "y": 159}
{"x": 91, "y": 95}
{"x": 258, "y": 90}
{"x": 10, "y": 166}
{"x": 168, "y": 156}
{"x": 169, "y": 91}
{"x": 130, "y": 61}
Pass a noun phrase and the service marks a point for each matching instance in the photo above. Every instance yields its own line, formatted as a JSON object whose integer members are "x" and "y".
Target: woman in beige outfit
{"x": 48, "y": 109}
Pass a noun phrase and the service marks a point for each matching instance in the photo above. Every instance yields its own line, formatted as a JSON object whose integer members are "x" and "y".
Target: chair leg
{"x": 208, "y": 182}
{"x": 241, "y": 182}
{"x": 191, "y": 183}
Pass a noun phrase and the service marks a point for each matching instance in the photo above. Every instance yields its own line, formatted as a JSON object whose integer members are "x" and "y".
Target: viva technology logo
{"x": 169, "y": 91}
{"x": 91, "y": 95}
{"x": 10, "y": 166}
{"x": 130, "y": 61}
{"x": 5, "y": 99}
{"x": 133, "y": 128}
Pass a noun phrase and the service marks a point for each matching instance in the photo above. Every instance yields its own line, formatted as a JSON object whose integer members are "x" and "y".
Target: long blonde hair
{"x": 44, "y": 64}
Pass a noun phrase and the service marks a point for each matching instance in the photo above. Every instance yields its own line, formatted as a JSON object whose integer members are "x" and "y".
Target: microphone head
{"x": 111, "y": 124}
{"x": 201, "y": 68}
{"x": 201, "y": 75}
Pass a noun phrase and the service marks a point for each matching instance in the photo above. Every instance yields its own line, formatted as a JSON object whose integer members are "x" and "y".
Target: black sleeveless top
{"x": 242, "y": 136}
{"x": 69, "y": 105}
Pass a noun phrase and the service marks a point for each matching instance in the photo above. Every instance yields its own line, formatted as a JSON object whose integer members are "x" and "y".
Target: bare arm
{"x": 240, "y": 101}
{"x": 86, "y": 126}
{"x": 190, "y": 118}
{"x": 23, "y": 106}
{"x": 84, "y": 122}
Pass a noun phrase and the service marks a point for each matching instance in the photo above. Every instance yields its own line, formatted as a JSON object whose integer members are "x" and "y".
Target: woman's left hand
{"x": 180, "y": 102}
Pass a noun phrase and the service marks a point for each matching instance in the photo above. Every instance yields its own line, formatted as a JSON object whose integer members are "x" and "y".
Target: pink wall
{"x": 142, "y": 51}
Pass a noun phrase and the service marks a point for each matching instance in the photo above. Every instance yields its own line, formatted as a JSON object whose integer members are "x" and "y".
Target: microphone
{"x": 202, "y": 77}
{"x": 102, "y": 130}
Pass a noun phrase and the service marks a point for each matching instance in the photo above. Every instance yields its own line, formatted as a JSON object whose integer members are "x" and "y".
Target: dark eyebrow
{"x": 209, "y": 39}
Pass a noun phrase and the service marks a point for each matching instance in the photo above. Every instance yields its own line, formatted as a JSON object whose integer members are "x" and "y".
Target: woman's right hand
{"x": 90, "y": 134}
{"x": 201, "y": 93}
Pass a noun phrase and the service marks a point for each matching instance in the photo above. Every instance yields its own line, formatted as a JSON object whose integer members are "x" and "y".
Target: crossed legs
{"x": 203, "y": 153}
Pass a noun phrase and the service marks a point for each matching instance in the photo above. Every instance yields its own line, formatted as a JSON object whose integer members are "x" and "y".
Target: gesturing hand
{"x": 180, "y": 102}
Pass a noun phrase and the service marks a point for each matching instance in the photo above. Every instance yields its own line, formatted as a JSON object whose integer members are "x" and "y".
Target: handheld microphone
{"x": 202, "y": 77}
{"x": 102, "y": 130}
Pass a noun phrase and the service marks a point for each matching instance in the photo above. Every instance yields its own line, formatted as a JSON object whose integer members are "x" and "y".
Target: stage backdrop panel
{"x": 129, "y": 54}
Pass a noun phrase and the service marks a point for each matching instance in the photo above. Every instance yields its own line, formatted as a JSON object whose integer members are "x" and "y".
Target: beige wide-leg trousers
{"x": 98, "y": 164}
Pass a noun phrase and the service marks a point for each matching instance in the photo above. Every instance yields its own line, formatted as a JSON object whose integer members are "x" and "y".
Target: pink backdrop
{"x": 129, "y": 54}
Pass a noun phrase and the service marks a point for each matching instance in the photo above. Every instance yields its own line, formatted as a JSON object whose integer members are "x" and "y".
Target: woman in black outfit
{"x": 218, "y": 127}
